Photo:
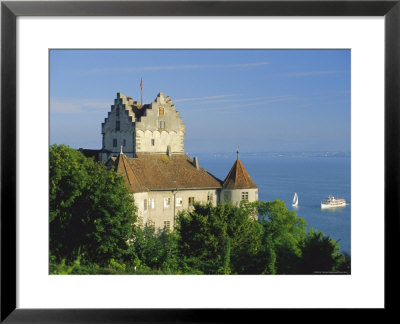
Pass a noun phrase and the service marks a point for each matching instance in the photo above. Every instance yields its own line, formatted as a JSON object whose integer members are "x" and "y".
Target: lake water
{"x": 313, "y": 176}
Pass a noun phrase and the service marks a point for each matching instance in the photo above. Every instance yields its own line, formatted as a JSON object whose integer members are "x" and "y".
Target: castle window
{"x": 145, "y": 204}
{"x": 209, "y": 196}
{"x": 161, "y": 111}
{"x": 167, "y": 202}
{"x": 117, "y": 111}
{"x": 226, "y": 196}
{"x": 115, "y": 142}
{"x": 117, "y": 125}
{"x": 162, "y": 124}
{"x": 124, "y": 142}
{"x": 178, "y": 202}
{"x": 151, "y": 203}
{"x": 152, "y": 142}
{"x": 191, "y": 201}
{"x": 245, "y": 195}
{"x": 167, "y": 224}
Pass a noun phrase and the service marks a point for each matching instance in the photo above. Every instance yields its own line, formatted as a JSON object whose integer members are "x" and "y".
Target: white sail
{"x": 295, "y": 202}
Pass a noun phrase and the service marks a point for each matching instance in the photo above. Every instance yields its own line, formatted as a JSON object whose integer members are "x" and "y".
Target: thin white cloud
{"x": 202, "y": 99}
{"x": 228, "y": 103}
{"x": 245, "y": 100}
{"x": 310, "y": 73}
{"x": 245, "y": 103}
{"x": 222, "y": 103}
{"x": 174, "y": 67}
{"x": 77, "y": 106}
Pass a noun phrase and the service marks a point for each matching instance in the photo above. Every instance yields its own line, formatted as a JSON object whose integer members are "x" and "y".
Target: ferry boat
{"x": 332, "y": 202}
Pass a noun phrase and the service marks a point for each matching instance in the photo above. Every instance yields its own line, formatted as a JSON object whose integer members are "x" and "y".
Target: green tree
{"x": 91, "y": 210}
{"x": 170, "y": 261}
{"x": 156, "y": 249}
{"x": 319, "y": 253}
{"x": 283, "y": 232}
{"x": 248, "y": 254}
{"x": 343, "y": 263}
{"x": 202, "y": 233}
{"x": 220, "y": 239}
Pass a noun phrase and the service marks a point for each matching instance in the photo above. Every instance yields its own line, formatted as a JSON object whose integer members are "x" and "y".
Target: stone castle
{"x": 145, "y": 144}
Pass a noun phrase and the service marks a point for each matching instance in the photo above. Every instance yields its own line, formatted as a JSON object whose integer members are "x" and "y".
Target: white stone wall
{"x": 160, "y": 213}
{"x": 158, "y": 142}
{"x": 235, "y": 195}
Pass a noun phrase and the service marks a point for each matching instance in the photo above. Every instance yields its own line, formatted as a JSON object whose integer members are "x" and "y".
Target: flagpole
{"x": 141, "y": 92}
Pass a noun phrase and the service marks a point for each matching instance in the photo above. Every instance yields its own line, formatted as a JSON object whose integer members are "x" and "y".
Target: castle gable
{"x": 150, "y": 128}
{"x": 160, "y": 127}
{"x": 118, "y": 128}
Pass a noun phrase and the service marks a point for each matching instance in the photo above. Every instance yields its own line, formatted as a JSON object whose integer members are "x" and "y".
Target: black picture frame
{"x": 10, "y": 10}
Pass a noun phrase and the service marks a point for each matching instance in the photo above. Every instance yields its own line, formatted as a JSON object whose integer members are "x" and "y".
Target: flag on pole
{"x": 141, "y": 91}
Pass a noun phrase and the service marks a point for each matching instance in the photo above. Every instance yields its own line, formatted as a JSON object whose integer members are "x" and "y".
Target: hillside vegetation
{"x": 94, "y": 229}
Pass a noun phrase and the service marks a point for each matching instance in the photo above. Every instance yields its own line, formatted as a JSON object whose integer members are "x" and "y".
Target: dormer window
{"x": 117, "y": 126}
{"x": 161, "y": 111}
{"x": 117, "y": 111}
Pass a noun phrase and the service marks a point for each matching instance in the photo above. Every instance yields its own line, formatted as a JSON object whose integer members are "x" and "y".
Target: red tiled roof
{"x": 122, "y": 167}
{"x": 159, "y": 172}
{"x": 238, "y": 178}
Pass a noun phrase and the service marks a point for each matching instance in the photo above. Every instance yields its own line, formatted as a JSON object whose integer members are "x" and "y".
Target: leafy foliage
{"x": 91, "y": 210}
{"x": 284, "y": 230}
{"x": 94, "y": 230}
{"x": 222, "y": 239}
{"x": 156, "y": 249}
{"x": 319, "y": 253}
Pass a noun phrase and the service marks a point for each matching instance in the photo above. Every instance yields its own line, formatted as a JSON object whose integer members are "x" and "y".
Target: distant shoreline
{"x": 275, "y": 154}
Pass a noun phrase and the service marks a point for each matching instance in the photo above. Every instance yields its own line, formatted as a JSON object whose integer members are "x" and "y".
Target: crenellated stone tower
{"x": 150, "y": 128}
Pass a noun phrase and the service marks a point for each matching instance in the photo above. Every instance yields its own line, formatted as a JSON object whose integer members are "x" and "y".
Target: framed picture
{"x": 149, "y": 18}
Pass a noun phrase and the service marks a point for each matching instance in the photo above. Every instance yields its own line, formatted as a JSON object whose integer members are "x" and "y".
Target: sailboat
{"x": 295, "y": 202}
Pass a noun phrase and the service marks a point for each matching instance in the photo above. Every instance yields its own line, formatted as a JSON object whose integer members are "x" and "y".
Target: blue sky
{"x": 259, "y": 100}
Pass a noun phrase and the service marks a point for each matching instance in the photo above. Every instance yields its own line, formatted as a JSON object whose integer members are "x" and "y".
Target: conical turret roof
{"x": 238, "y": 178}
